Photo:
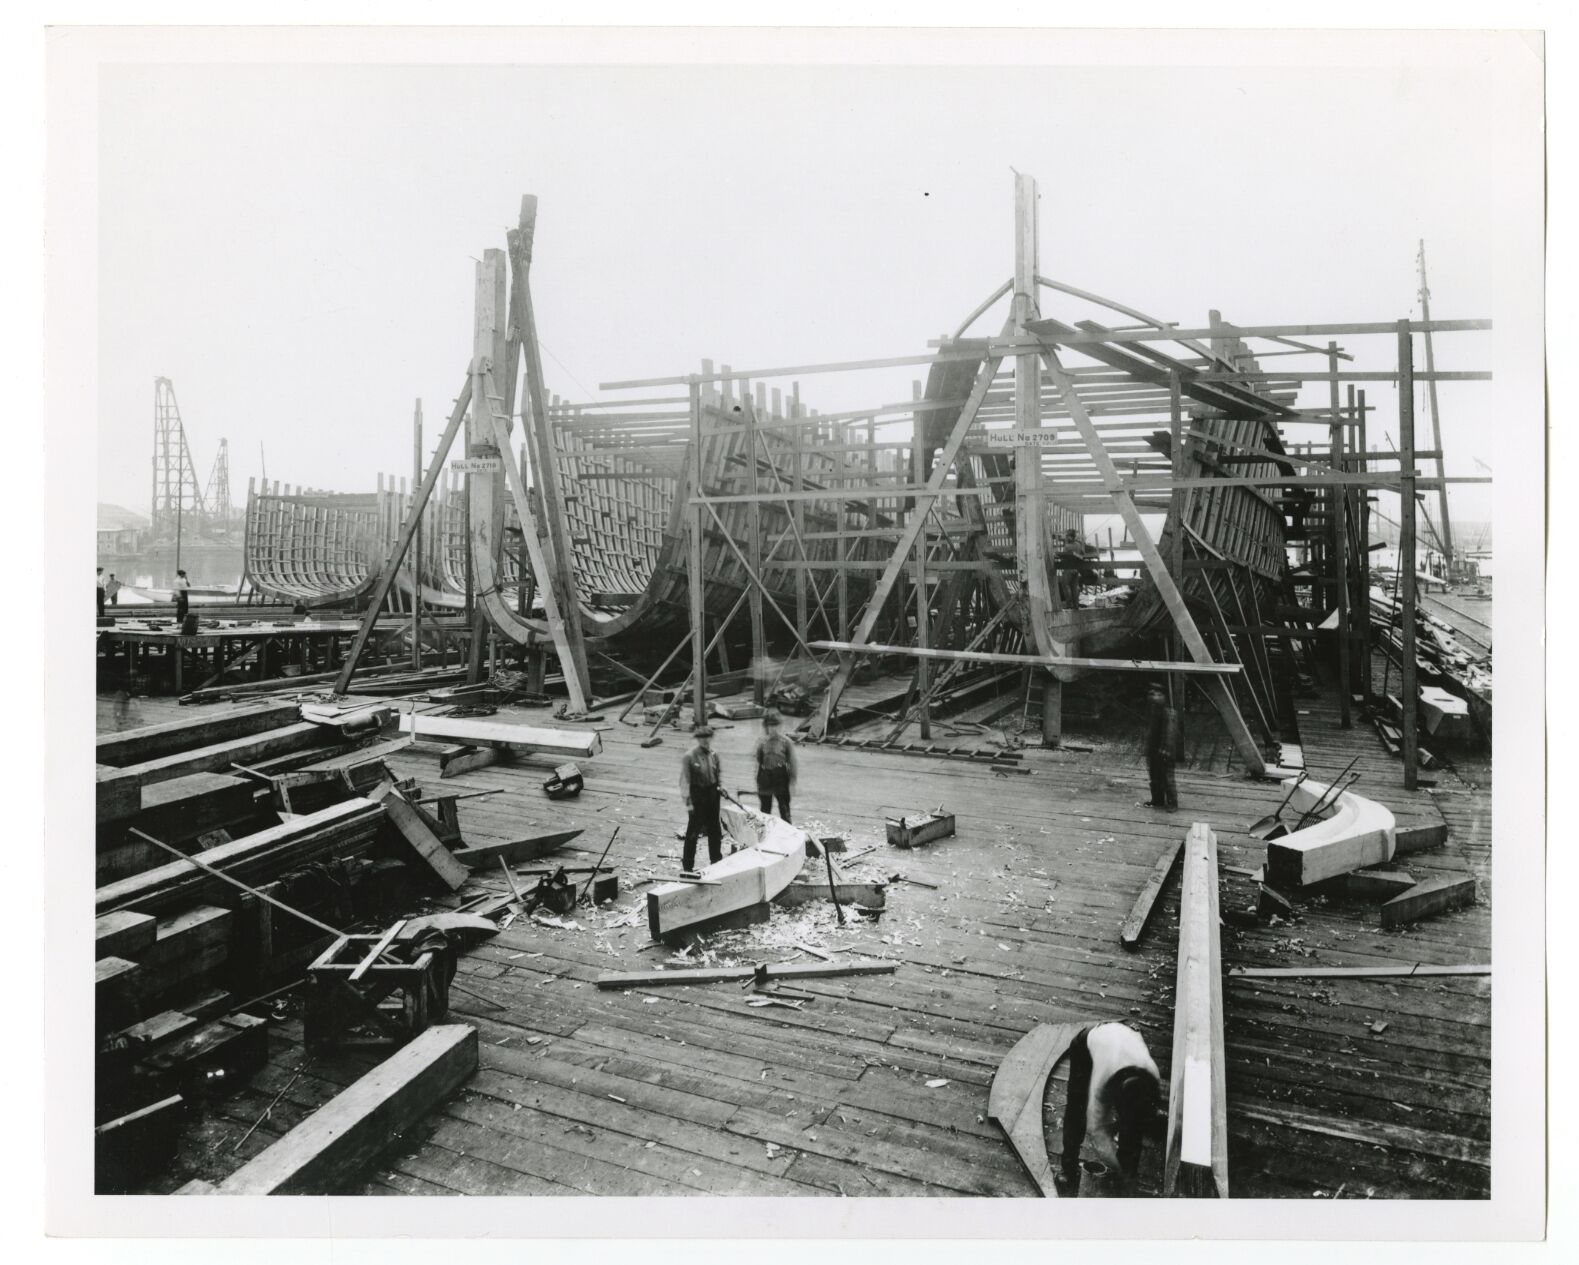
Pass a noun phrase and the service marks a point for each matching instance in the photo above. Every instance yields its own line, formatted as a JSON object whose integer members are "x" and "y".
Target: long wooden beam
{"x": 972, "y": 349}
{"x": 1196, "y": 1162}
{"x": 1045, "y": 329}
{"x": 1407, "y": 537}
{"x": 328, "y": 1150}
{"x": 154, "y": 742}
{"x": 1033, "y": 660}
{"x": 561, "y": 576}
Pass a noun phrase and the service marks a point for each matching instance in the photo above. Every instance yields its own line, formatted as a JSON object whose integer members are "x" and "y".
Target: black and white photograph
{"x": 897, "y": 617}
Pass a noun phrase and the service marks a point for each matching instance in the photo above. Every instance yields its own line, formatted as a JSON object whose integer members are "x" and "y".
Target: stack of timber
{"x": 1448, "y": 668}
{"x": 340, "y": 830}
{"x": 267, "y": 735}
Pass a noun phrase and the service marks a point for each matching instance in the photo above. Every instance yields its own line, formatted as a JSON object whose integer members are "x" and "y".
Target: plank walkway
{"x": 1369, "y": 1087}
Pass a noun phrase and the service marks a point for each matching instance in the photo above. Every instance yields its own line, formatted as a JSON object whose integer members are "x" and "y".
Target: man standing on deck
{"x": 1162, "y": 744}
{"x": 701, "y": 785}
{"x": 775, "y": 766}
{"x": 100, "y": 579}
{"x": 112, "y": 590}
{"x": 183, "y": 594}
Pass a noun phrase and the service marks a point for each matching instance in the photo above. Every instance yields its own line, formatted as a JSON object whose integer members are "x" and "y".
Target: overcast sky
{"x": 293, "y": 245}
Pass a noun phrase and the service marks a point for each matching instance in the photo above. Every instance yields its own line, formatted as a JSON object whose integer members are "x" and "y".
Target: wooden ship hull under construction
{"x": 625, "y": 482}
{"x": 624, "y": 507}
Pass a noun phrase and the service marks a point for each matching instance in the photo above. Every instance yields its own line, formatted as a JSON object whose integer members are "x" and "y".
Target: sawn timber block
{"x": 1433, "y": 896}
{"x": 123, "y": 934}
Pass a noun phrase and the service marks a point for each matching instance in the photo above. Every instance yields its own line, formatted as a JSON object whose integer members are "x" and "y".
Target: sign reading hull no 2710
{"x": 476, "y": 465}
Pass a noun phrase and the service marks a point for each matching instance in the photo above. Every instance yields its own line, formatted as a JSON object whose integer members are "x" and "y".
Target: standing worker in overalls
{"x": 775, "y": 766}
{"x": 1162, "y": 746}
{"x": 701, "y": 787}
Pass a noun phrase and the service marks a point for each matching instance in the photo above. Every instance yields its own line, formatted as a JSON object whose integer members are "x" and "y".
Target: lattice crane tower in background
{"x": 175, "y": 490}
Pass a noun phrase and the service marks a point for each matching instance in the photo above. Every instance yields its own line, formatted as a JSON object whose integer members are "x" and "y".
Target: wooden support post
{"x": 1338, "y": 538}
{"x": 1362, "y": 446}
{"x": 842, "y": 509}
{"x": 1406, "y": 553}
{"x": 759, "y": 646}
{"x": 923, "y": 602}
{"x": 798, "y": 508}
{"x": 1196, "y": 1162}
{"x": 1030, "y": 515}
{"x": 1176, "y": 495}
{"x": 1443, "y": 517}
{"x": 561, "y": 574}
{"x": 696, "y": 577}
{"x": 1052, "y": 711}
{"x": 416, "y": 540}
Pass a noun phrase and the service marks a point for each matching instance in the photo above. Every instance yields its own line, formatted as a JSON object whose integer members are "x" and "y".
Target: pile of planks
{"x": 339, "y": 830}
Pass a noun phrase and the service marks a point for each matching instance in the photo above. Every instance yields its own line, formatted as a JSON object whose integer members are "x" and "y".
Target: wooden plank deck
{"x": 1365, "y": 1086}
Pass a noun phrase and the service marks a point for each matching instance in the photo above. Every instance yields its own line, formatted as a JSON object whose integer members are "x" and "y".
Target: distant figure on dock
{"x": 701, "y": 786}
{"x": 775, "y": 766}
{"x": 1113, "y": 1094}
{"x": 183, "y": 594}
{"x": 1162, "y": 746}
{"x": 123, "y": 709}
{"x": 100, "y": 592}
{"x": 112, "y": 590}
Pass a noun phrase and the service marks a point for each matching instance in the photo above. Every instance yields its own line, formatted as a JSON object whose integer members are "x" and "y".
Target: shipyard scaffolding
{"x": 964, "y": 541}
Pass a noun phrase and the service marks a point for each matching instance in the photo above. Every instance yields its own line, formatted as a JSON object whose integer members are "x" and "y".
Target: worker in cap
{"x": 701, "y": 787}
{"x": 1163, "y": 740}
{"x": 775, "y": 766}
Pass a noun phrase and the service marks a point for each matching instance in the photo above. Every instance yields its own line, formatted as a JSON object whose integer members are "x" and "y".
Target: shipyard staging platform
{"x": 1350, "y": 1087}
{"x": 311, "y": 644}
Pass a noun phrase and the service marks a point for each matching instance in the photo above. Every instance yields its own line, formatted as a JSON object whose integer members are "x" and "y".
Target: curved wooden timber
{"x": 1019, "y": 1087}
{"x": 771, "y": 853}
{"x": 1358, "y": 833}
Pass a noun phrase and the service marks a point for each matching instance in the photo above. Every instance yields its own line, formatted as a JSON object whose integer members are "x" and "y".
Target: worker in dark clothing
{"x": 101, "y": 592}
{"x": 701, "y": 786}
{"x": 775, "y": 766}
{"x": 1113, "y": 1094}
{"x": 1162, "y": 746}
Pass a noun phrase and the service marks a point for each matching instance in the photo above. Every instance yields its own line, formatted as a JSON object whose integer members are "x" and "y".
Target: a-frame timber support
{"x": 908, "y": 534}
{"x": 1215, "y": 687}
{"x": 485, "y": 408}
